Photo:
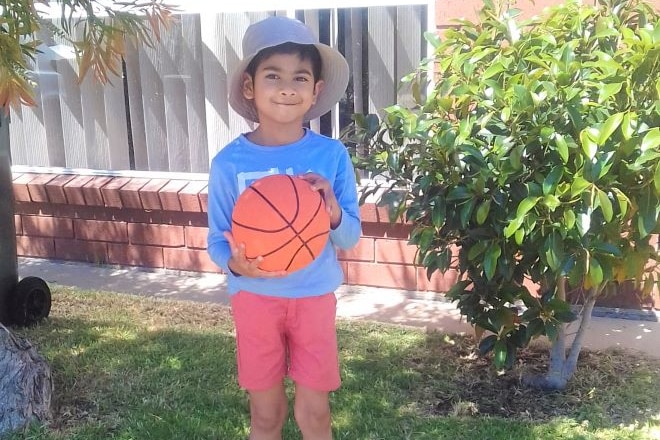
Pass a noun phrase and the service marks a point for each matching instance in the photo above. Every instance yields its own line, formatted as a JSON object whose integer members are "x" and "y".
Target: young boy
{"x": 285, "y": 324}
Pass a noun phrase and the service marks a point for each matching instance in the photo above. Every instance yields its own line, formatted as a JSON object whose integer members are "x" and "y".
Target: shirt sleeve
{"x": 349, "y": 230}
{"x": 220, "y": 206}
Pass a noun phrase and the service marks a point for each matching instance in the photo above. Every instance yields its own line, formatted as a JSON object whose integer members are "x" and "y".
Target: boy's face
{"x": 282, "y": 89}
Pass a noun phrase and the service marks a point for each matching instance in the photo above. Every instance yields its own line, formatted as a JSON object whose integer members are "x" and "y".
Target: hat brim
{"x": 334, "y": 73}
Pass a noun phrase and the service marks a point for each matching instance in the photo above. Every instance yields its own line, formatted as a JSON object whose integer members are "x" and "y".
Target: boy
{"x": 285, "y": 324}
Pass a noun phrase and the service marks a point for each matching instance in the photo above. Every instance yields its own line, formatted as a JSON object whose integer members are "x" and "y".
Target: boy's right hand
{"x": 240, "y": 265}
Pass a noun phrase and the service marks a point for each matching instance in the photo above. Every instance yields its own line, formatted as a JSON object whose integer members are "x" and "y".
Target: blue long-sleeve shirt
{"x": 240, "y": 163}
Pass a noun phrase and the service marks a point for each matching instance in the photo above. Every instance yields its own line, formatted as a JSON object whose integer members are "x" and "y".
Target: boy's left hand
{"x": 322, "y": 185}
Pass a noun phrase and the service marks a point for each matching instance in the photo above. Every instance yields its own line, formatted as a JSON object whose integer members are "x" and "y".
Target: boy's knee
{"x": 312, "y": 417}
{"x": 268, "y": 420}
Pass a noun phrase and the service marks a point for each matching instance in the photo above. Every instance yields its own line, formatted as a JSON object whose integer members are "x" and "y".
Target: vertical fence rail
{"x": 176, "y": 92}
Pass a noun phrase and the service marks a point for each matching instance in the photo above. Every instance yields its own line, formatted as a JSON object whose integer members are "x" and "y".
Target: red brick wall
{"x": 161, "y": 223}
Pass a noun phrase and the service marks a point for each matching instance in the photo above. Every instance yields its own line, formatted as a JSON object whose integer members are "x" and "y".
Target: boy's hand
{"x": 322, "y": 185}
{"x": 240, "y": 265}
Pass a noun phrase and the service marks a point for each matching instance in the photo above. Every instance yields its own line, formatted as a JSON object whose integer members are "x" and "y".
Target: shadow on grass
{"x": 122, "y": 379}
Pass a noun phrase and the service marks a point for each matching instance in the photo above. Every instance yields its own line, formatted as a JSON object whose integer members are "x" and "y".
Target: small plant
{"x": 535, "y": 156}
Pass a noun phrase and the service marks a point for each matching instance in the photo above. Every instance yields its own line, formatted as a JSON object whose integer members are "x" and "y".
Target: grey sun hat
{"x": 277, "y": 30}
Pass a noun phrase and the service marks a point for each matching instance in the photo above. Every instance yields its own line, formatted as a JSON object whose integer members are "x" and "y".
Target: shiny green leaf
{"x": 482, "y": 211}
{"x": 651, "y": 139}
{"x": 490, "y": 260}
{"x": 588, "y": 140}
{"x": 609, "y": 127}
{"x": 562, "y": 147}
{"x": 605, "y": 205}
{"x": 526, "y": 205}
{"x": 595, "y": 272}
{"x": 569, "y": 219}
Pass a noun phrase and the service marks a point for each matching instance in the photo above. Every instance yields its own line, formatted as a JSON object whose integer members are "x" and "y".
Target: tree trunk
{"x": 563, "y": 365}
{"x": 8, "y": 263}
{"x": 25, "y": 383}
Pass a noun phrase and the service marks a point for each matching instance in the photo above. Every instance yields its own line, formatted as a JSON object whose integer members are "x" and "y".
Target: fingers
{"x": 241, "y": 265}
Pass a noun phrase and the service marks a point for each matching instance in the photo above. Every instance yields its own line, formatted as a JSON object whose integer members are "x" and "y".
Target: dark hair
{"x": 304, "y": 51}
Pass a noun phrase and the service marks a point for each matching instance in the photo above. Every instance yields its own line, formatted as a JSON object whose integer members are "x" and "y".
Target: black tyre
{"x": 30, "y": 301}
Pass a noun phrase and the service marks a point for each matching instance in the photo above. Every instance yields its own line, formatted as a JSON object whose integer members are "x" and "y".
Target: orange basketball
{"x": 282, "y": 219}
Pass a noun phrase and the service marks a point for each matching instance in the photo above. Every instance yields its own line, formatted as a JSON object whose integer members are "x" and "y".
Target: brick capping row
{"x": 162, "y": 223}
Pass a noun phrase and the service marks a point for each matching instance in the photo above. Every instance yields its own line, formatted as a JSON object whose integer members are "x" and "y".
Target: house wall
{"x": 161, "y": 223}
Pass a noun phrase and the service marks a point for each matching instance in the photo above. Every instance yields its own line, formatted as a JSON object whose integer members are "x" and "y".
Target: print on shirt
{"x": 246, "y": 178}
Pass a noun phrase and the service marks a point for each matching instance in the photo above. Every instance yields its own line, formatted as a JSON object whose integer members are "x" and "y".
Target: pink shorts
{"x": 276, "y": 337}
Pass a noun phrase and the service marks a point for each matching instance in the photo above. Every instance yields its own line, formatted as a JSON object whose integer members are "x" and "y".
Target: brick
{"x": 386, "y": 230}
{"x": 132, "y": 255}
{"x": 169, "y": 195}
{"x": 161, "y": 235}
{"x": 196, "y": 238}
{"x": 35, "y": 247}
{"x": 189, "y": 196}
{"x": 18, "y": 225}
{"x": 80, "y": 250}
{"x": 379, "y": 275}
{"x": 38, "y": 226}
{"x": 149, "y": 193}
{"x": 363, "y": 251}
{"x": 73, "y": 190}
{"x": 370, "y": 213}
{"x": 439, "y": 282}
{"x": 395, "y": 251}
{"x": 189, "y": 259}
{"x": 110, "y": 192}
{"x": 92, "y": 190}
{"x": 95, "y": 230}
{"x": 20, "y": 187}
{"x": 37, "y": 187}
{"x": 204, "y": 199}
{"x": 55, "y": 188}
{"x": 129, "y": 193}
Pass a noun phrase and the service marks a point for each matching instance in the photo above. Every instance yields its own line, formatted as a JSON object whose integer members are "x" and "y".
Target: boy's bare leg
{"x": 312, "y": 413}
{"x": 268, "y": 412}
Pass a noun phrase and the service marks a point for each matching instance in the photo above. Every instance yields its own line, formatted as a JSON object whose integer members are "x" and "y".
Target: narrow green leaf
{"x": 482, "y": 211}
{"x": 595, "y": 272}
{"x": 519, "y": 236}
{"x": 551, "y": 179}
{"x": 513, "y": 226}
{"x": 490, "y": 260}
{"x": 562, "y": 147}
{"x": 609, "y": 127}
{"x": 608, "y": 90}
{"x": 656, "y": 179}
{"x": 651, "y": 139}
{"x": 569, "y": 219}
{"x": 628, "y": 125}
{"x": 439, "y": 213}
{"x": 605, "y": 205}
{"x": 500, "y": 351}
{"x": 588, "y": 138}
{"x": 583, "y": 223}
{"x": 579, "y": 185}
{"x": 623, "y": 200}
{"x": 526, "y": 205}
{"x": 478, "y": 249}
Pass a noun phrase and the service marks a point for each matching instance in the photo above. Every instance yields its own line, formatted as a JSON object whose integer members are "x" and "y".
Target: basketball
{"x": 282, "y": 219}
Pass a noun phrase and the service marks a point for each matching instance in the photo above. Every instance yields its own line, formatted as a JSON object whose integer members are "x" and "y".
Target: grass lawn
{"x": 126, "y": 367}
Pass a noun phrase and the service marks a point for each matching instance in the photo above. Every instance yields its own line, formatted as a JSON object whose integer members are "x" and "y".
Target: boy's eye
{"x": 302, "y": 79}
{"x": 272, "y": 76}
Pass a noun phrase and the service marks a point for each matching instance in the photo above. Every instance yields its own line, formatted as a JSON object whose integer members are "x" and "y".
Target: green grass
{"x": 127, "y": 367}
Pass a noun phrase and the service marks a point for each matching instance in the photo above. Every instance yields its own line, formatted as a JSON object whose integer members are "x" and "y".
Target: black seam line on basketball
{"x": 304, "y": 245}
{"x": 295, "y": 191}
